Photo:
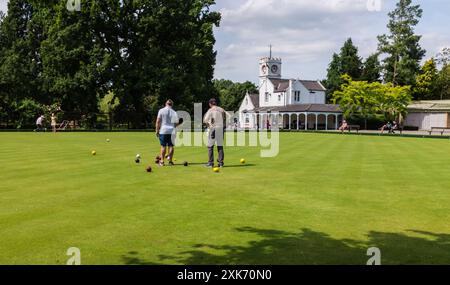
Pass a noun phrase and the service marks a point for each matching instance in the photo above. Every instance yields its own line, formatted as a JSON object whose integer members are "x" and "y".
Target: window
{"x": 246, "y": 101}
{"x": 267, "y": 97}
{"x": 279, "y": 97}
{"x": 247, "y": 119}
{"x": 297, "y": 96}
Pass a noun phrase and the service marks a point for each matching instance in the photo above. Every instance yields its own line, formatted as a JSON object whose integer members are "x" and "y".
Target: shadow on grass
{"x": 310, "y": 247}
{"x": 226, "y": 166}
{"x": 239, "y": 165}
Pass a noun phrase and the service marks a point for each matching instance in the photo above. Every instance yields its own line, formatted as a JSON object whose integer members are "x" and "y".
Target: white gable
{"x": 247, "y": 104}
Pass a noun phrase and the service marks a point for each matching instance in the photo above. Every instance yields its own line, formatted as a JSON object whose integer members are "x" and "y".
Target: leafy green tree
{"x": 371, "y": 69}
{"x": 158, "y": 50}
{"x": 334, "y": 80}
{"x": 143, "y": 51}
{"x": 367, "y": 100}
{"x": 443, "y": 58}
{"x": 20, "y": 36}
{"x": 73, "y": 63}
{"x": 426, "y": 82}
{"x": 346, "y": 62}
{"x": 350, "y": 60}
{"x": 231, "y": 94}
{"x": 401, "y": 46}
{"x": 443, "y": 83}
{"x": 27, "y": 112}
{"x": 394, "y": 101}
{"x": 108, "y": 103}
{"x": 357, "y": 98}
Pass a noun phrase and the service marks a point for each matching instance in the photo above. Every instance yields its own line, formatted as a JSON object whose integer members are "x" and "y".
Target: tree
{"x": 426, "y": 81}
{"x": 350, "y": 60}
{"x": 443, "y": 83}
{"x": 356, "y": 98}
{"x": 346, "y": 62}
{"x": 393, "y": 101}
{"x": 443, "y": 78}
{"x": 371, "y": 69}
{"x": 73, "y": 62}
{"x": 333, "y": 81}
{"x": 443, "y": 58}
{"x": 19, "y": 60}
{"x": 143, "y": 51}
{"x": 364, "y": 99}
{"x": 158, "y": 50}
{"x": 401, "y": 46}
{"x": 231, "y": 94}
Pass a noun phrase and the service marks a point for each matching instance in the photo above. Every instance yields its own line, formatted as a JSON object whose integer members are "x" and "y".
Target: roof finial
{"x": 270, "y": 46}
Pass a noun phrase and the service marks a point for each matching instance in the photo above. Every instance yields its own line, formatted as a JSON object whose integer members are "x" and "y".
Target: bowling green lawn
{"x": 325, "y": 199}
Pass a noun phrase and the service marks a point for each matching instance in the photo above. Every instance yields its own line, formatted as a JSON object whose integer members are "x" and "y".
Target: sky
{"x": 305, "y": 33}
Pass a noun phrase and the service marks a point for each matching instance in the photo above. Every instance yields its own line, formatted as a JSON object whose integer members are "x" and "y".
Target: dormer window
{"x": 297, "y": 96}
{"x": 279, "y": 97}
{"x": 266, "y": 99}
{"x": 246, "y": 101}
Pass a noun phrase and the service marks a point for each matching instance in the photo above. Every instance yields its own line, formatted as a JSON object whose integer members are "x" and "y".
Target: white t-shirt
{"x": 39, "y": 120}
{"x": 169, "y": 119}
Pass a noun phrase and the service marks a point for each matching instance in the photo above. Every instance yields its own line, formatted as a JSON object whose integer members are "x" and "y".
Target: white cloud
{"x": 304, "y": 33}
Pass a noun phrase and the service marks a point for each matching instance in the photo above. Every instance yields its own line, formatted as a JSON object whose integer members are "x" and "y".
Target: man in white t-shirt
{"x": 166, "y": 125}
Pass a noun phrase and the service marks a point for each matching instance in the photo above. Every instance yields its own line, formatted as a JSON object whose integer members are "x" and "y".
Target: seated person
{"x": 388, "y": 127}
{"x": 394, "y": 127}
{"x": 344, "y": 126}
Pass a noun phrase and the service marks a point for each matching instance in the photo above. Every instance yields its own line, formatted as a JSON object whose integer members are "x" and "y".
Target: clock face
{"x": 274, "y": 68}
{"x": 264, "y": 69}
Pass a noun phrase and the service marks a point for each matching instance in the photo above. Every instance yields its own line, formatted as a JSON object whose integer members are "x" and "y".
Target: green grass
{"x": 324, "y": 200}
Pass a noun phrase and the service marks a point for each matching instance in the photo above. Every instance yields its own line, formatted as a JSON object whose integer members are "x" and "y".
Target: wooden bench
{"x": 438, "y": 129}
{"x": 354, "y": 127}
{"x": 398, "y": 129}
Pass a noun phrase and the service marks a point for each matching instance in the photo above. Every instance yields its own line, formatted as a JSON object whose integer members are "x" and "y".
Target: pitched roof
{"x": 312, "y": 85}
{"x": 281, "y": 85}
{"x": 430, "y": 106}
{"x": 320, "y": 108}
{"x": 255, "y": 99}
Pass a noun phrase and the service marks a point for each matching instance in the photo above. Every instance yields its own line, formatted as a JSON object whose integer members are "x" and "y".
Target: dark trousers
{"x": 211, "y": 155}
{"x": 216, "y": 136}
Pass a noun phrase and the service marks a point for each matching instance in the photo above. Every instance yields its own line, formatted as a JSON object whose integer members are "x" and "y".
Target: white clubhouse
{"x": 292, "y": 104}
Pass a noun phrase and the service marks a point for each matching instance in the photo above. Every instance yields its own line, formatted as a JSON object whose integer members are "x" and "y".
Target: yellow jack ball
{"x": 94, "y": 152}
{"x": 216, "y": 169}
{"x": 242, "y": 161}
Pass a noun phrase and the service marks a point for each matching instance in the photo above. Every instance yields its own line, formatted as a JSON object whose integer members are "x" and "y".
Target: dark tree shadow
{"x": 422, "y": 248}
{"x": 276, "y": 247}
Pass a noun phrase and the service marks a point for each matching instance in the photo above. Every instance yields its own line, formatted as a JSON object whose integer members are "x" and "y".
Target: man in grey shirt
{"x": 215, "y": 121}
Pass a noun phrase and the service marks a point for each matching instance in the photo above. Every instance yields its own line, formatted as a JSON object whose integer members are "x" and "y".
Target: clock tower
{"x": 269, "y": 67}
